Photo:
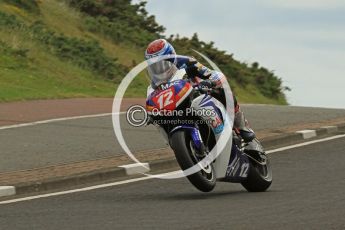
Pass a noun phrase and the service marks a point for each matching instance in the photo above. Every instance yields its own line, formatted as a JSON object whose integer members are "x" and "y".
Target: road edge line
{"x": 55, "y": 120}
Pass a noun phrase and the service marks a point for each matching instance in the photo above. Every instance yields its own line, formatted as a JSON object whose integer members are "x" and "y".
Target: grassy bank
{"x": 53, "y": 49}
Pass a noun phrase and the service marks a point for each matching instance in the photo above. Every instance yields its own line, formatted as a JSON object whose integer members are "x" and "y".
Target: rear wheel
{"x": 182, "y": 144}
{"x": 260, "y": 172}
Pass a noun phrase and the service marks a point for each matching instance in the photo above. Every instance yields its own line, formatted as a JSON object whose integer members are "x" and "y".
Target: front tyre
{"x": 182, "y": 144}
{"x": 260, "y": 172}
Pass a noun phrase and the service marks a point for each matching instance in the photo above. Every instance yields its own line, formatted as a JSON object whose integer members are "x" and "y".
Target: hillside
{"x": 83, "y": 48}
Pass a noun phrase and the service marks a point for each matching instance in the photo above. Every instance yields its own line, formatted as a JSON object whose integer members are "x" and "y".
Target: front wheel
{"x": 183, "y": 146}
{"x": 260, "y": 172}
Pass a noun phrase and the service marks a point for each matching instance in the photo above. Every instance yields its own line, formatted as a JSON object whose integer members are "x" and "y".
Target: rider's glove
{"x": 208, "y": 84}
{"x": 192, "y": 70}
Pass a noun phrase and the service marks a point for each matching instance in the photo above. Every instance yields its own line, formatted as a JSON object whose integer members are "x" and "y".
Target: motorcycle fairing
{"x": 168, "y": 96}
{"x": 184, "y": 89}
{"x": 254, "y": 145}
{"x": 209, "y": 103}
{"x": 238, "y": 167}
{"x": 220, "y": 125}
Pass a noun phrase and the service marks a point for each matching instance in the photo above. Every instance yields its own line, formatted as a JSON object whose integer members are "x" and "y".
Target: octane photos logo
{"x": 131, "y": 116}
{"x": 155, "y": 114}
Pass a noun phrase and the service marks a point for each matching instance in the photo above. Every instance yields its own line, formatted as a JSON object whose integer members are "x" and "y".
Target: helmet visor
{"x": 161, "y": 72}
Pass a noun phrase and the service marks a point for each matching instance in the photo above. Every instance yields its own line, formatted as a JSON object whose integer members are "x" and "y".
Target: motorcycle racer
{"x": 199, "y": 74}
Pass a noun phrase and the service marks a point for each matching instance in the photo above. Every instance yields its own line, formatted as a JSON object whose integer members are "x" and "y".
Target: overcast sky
{"x": 303, "y": 41}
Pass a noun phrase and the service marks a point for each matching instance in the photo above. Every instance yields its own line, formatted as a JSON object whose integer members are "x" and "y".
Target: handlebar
{"x": 203, "y": 90}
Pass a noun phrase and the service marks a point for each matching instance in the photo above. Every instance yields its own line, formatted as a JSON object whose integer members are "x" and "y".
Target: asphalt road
{"x": 92, "y": 138}
{"x": 307, "y": 193}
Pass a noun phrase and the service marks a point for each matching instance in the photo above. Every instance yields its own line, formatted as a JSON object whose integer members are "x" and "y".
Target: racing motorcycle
{"x": 193, "y": 136}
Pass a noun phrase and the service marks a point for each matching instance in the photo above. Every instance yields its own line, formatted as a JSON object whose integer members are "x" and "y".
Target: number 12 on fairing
{"x": 165, "y": 99}
{"x": 244, "y": 170}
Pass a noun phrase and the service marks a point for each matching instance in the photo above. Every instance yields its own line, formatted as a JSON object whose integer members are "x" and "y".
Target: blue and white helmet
{"x": 159, "y": 47}
{"x": 162, "y": 71}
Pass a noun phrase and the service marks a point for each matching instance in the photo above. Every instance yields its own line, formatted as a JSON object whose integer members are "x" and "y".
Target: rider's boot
{"x": 242, "y": 126}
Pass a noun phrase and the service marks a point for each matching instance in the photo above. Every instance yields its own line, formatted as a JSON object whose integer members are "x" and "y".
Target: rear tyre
{"x": 260, "y": 173}
{"x": 182, "y": 144}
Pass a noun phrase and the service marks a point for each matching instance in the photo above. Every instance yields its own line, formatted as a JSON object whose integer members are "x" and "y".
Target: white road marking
{"x": 305, "y": 143}
{"x": 7, "y": 191}
{"x": 74, "y": 190}
{"x": 55, "y": 120}
{"x": 307, "y": 133}
{"x": 136, "y": 168}
{"x": 148, "y": 178}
